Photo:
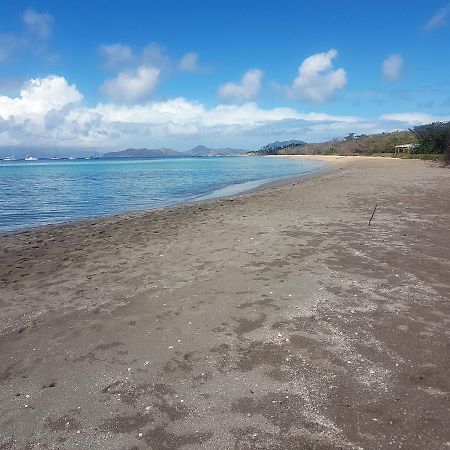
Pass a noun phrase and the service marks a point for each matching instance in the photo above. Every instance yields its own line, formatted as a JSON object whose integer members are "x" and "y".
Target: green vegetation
{"x": 428, "y": 142}
{"x": 357, "y": 145}
{"x": 434, "y": 138}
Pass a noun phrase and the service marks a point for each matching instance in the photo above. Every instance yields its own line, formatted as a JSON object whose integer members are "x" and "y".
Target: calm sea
{"x": 37, "y": 193}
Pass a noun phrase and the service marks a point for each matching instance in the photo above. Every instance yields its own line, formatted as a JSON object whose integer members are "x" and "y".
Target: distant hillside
{"x": 274, "y": 147}
{"x": 355, "y": 145}
{"x": 143, "y": 153}
{"x": 350, "y": 145}
{"x": 201, "y": 150}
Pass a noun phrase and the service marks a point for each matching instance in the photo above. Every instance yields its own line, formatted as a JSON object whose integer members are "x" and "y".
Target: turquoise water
{"x": 37, "y": 193}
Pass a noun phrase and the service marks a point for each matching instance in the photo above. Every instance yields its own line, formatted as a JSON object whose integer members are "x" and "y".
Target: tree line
{"x": 433, "y": 138}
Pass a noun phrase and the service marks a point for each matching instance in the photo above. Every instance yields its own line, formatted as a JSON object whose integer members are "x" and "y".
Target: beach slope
{"x": 278, "y": 319}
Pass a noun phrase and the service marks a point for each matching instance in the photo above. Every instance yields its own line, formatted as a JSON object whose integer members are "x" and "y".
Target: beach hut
{"x": 404, "y": 148}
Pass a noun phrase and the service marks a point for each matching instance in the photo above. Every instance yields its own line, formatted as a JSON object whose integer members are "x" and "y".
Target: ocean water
{"x": 34, "y": 193}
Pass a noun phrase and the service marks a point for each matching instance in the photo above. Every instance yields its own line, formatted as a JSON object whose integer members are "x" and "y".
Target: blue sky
{"x": 114, "y": 74}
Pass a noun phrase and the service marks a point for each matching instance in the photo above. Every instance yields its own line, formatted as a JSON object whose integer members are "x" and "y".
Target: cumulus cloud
{"x": 39, "y": 24}
{"x": 247, "y": 89}
{"x": 189, "y": 62}
{"x": 33, "y": 38}
{"x": 123, "y": 57}
{"x": 115, "y": 55}
{"x": 438, "y": 20}
{"x": 413, "y": 118}
{"x": 38, "y": 96}
{"x": 155, "y": 55}
{"x": 317, "y": 81}
{"x": 133, "y": 85}
{"x": 392, "y": 67}
{"x": 139, "y": 71}
{"x": 49, "y": 111}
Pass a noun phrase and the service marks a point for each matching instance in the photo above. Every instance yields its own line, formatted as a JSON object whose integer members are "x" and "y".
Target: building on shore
{"x": 405, "y": 148}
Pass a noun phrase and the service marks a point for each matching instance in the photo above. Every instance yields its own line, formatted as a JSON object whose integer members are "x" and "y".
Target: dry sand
{"x": 275, "y": 320}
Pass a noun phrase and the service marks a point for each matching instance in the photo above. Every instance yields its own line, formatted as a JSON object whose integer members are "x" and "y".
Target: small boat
{"x": 10, "y": 157}
{"x": 72, "y": 157}
{"x": 55, "y": 156}
{"x": 31, "y": 158}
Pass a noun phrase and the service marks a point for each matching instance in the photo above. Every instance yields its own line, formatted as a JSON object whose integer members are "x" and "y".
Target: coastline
{"x": 278, "y": 313}
{"x": 235, "y": 189}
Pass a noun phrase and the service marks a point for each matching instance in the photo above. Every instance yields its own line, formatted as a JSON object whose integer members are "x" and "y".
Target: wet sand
{"x": 277, "y": 319}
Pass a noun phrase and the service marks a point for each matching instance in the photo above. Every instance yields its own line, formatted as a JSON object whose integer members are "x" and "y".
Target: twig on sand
{"x": 371, "y": 217}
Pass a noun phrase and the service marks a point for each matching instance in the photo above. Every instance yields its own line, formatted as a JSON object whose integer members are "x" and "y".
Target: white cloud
{"x": 156, "y": 56}
{"x": 184, "y": 113}
{"x": 114, "y": 55}
{"x": 133, "y": 85}
{"x": 247, "y": 89}
{"x": 189, "y": 62}
{"x": 39, "y": 24}
{"x": 139, "y": 71}
{"x": 39, "y": 96}
{"x": 316, "y": 80}
{"x": 33, "y": 38}
{"x": 8, "y": 44}
{"x": 122, "y": 56}
{"x": 438, "y": 20}
{"x": 413, "y": 118}
{"x": 392, "y": 67}
{"x": 48, "y": 112}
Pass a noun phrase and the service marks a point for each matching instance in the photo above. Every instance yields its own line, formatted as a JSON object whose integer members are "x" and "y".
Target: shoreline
{"x": 278, "y": 313}
{"x": 202, "y": 198}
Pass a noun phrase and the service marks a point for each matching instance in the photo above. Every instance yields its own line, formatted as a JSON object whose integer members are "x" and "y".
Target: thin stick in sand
{"x": 371, "y": 217}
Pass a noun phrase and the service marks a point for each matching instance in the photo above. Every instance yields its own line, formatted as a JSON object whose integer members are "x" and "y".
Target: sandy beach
{"x": 277, "y": 319}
